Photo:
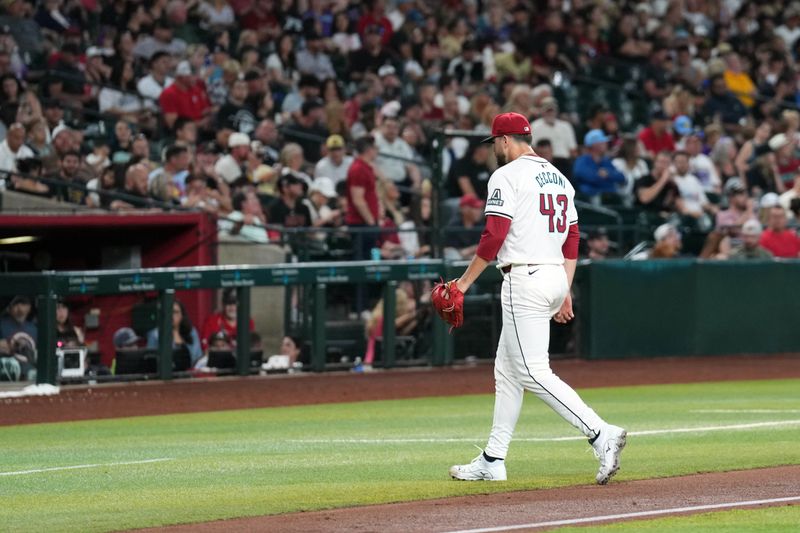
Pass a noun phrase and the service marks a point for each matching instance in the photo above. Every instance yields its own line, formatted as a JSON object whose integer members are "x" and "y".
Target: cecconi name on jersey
{"x": 543, "y": 178}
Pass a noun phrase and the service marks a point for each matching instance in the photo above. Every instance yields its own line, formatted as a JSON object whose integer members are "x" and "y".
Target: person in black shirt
{"x": 288, "y": 210}
{"x": 470, "y": 174}
{"x": 723, "y": 106}
{"x": 67, "y": 70}
{"x": 236, "y": 114}
{"x": 307, "y": 129}
{"x": 257, "y": 89}
{"x": 69, "y": 165}
{"x": 656, "y": 82}
{"x": 467, "y": 68}
{"x": 657, "y": 192}
{"x": 371, "y": 57}
{"x": 10, "y": 98}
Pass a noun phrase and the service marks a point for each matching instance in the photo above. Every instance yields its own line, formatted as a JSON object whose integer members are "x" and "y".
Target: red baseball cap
{"x": 508, "y": 124}
{"x": 470, "y": 200}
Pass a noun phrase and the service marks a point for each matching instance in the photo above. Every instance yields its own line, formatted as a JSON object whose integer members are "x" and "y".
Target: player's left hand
{"x": 448, "y": 300}
{"x": 565, "y": 314}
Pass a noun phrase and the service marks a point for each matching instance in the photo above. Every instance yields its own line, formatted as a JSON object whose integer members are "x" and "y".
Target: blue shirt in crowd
{"x": 586, "y": 173}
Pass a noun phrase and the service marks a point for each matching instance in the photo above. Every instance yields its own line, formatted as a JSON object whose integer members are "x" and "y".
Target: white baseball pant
{"x": 530, "y": 296}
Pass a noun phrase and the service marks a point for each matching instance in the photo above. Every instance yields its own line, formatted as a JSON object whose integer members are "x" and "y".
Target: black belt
{"x": 506, "y": 269}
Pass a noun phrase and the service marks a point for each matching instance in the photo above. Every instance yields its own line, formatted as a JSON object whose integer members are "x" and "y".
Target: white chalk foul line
{"x": 746, "y": 411}
{"x": 639, "y": 514}
{"x": 76, "y": 467}
{"x": 412, "y": 440}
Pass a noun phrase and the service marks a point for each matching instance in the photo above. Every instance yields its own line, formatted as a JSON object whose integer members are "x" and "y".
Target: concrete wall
{"x": 266, "y": 303}
{"x": 16, "y": 202}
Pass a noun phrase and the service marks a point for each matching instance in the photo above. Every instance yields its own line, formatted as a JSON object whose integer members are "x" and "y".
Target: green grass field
{"x": 265, "y": 461}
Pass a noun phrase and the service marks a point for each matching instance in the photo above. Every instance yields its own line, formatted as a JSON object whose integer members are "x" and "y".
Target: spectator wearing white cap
{"x": 765, "y": 205}
{"x": 186, "y": 97}
{"x": 320, "y": 194}
{"x": 750, "y": 247}
{"x": 336, "y": 163}
{"x": 786, "y": 159}
{"x": 391, "y": 83}
{"x": 234, "y": 166}
{"x": 668, "y": 242}
{"x": 560, "y": 133}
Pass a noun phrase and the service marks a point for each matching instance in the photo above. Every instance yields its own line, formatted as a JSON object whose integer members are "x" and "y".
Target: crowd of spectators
{"x": 321, "y": 114}
{"x": 191, "y": 345}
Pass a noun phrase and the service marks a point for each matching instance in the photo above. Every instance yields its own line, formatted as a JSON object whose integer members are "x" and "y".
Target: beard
{"x": 501, "y": 158}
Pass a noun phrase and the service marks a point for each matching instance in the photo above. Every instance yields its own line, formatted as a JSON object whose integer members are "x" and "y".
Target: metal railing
{"x": 48, "y": 287}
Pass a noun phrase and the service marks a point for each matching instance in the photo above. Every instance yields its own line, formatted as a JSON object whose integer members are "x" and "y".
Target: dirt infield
{"x": 532, "y": 507}
{"x": 214, "y": 394}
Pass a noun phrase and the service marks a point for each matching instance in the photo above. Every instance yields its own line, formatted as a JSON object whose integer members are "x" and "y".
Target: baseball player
{"x": 532, "y": 230}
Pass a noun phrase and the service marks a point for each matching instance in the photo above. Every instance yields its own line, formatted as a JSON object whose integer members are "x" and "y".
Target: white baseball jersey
{"x": 539, "y": 201}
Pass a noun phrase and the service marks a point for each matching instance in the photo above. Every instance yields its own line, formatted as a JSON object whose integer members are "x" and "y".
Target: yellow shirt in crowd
{"x": 741, "y": 85}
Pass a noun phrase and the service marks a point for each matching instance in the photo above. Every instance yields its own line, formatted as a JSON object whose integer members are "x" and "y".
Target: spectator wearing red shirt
{"x": 362, "y": 193}
{"x": 779, "y": 240}
{"x": 376, "y": 17}
{"x": 185, "y": 98}
{"x": 657, "y": 136}
{"x": 224, "y": 320}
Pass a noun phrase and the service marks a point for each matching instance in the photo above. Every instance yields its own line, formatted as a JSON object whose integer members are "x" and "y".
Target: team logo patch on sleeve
{"x": 495, "y": 198}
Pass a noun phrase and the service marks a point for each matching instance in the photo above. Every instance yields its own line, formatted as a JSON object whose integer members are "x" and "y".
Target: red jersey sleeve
{"x": 570, "y": 246}
{"x": 492, "y": 237}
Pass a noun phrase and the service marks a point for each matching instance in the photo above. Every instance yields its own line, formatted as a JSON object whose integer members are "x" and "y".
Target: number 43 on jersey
{"x": 556, "y": 212}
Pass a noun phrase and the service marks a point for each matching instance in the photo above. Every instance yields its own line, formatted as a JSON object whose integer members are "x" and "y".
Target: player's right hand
{"x": 565, "y": 314}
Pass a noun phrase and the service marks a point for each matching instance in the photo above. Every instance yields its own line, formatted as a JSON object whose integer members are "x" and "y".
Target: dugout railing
{"x": 624, "y": 309}
{"x": 48, "y": 287}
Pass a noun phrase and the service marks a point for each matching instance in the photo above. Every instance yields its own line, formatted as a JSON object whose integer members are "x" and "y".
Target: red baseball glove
{"x": 448, "y": 301}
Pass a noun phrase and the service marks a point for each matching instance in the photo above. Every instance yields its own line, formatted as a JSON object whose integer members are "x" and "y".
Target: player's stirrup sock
{"x": 591, "y": 441}
{"x": 490, "y": 459}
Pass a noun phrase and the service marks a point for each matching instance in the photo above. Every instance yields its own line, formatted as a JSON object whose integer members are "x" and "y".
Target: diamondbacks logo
{"x": 495, "y": 199}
